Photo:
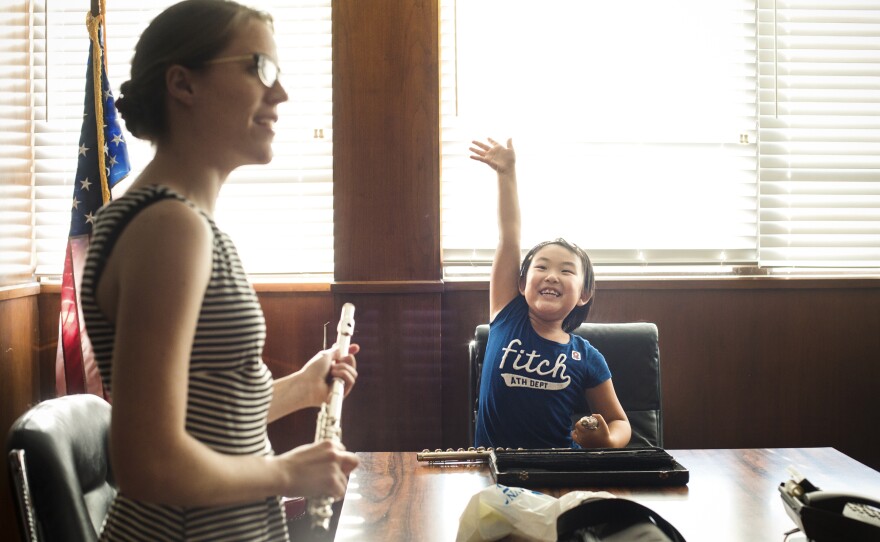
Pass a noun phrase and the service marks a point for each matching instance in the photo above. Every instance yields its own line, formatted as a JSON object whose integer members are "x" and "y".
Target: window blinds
{"x": 605, "y": 105}
{"x": 16, "y": 150}
{"x": 820, "y": 133}
{"x": 634, "y": 123}
{"x": 797, "y": 82}
{"x": 279, "y": 215}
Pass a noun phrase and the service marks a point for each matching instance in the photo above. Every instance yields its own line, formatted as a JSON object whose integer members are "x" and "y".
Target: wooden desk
{"x": 732, "y": 494}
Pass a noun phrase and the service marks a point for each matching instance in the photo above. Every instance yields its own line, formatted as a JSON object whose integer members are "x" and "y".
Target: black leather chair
{"x": 60, "y": 468}
{"x": 633, "y": 355}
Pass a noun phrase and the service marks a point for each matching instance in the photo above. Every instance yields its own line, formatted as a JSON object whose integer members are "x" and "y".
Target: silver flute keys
{"x": 461, "y": 454}
{"x": 328, "y": 426}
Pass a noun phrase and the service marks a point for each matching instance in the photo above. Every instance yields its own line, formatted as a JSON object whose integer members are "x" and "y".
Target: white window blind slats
{"x": 728, "y": 132}
{"x": 632, "y": 123}
{"x": 799, "y": 81}
{"x": 16, "y": 156}
{"x": 279, "y": 215}
{"x": 820, "y": 133}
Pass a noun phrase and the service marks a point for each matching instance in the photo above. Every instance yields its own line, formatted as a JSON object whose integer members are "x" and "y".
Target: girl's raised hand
{"x": 495, "y": 155}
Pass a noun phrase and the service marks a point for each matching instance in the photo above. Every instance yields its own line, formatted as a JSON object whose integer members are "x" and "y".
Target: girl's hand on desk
{"x": 318, "y": 469}
{"x": 600, "y": 437}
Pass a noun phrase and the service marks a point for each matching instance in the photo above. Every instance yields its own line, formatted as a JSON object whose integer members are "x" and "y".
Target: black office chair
{"x": 633, "y": 355}
{"x": 60, "y": 468}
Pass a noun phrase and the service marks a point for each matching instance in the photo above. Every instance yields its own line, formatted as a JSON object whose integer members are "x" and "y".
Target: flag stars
{"x": 75, "y": 203}
{"x": 117, "y": 139}
{"x": 112, "y": 160}
{"x": 83, "y": 149}
{"x": 90, "y": 218}
{"x": 84, "y": 184}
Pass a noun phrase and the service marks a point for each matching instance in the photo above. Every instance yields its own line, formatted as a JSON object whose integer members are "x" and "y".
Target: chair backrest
{"x": 58, "y": 453}
{"x": 633, "y": 354}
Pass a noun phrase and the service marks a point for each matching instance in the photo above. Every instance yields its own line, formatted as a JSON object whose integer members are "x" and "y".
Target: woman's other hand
{"x": 318, "y": 469}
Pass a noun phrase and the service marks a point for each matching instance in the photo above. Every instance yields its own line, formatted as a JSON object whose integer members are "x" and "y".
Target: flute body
{"x": 329, "y": 425}
{"x": 461, "y": 454}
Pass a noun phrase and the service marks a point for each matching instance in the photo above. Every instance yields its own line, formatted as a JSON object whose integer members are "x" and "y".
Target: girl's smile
{"x": 554, "y": 283}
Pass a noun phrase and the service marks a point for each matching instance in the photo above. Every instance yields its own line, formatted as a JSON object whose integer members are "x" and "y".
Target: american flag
{"x": 102, "y": 161}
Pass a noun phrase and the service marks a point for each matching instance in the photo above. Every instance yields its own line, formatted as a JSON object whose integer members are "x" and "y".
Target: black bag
{"x": 614, "y": 520}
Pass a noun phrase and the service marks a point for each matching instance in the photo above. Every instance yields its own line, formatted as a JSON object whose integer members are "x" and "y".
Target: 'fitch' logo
{"x": 530, "y": 363}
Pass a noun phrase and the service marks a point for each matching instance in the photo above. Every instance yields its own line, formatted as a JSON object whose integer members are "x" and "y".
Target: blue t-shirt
{"x": 529, "y": 385}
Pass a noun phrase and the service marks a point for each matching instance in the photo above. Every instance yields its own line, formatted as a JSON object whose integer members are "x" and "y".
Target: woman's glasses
{"x": 267, "y": 69}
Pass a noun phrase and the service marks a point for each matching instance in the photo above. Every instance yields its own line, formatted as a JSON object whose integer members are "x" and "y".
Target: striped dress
{"x": 230, "y": 387}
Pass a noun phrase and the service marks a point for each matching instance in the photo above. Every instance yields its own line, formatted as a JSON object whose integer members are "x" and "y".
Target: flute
{"x": 471, "y": 454}
{"x": 329, "y": 418}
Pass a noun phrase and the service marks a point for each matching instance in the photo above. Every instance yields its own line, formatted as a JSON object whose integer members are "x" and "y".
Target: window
{"x": 16, "y": 150}
{"x": 820, "y": 133}
{"x": 648, "y": 133}
{"x": 280, "y": 215}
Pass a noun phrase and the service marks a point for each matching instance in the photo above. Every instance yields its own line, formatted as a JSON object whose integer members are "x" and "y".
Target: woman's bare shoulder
{"x": 168, "y": 236}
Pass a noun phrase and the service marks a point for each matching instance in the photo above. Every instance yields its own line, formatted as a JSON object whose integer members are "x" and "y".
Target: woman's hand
{"x": 500, "y": 158}
{"x": 346, "y": 368}
{"x": 320, "y": 469}
{"x": 318, "y": 373}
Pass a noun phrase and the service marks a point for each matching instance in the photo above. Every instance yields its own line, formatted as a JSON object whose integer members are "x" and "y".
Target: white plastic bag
{"x": 498, "y": 511}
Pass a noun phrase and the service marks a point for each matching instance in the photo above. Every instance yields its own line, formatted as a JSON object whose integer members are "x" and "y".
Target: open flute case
{"x": 563, "y": 467}
{"x": 594, "y": 467}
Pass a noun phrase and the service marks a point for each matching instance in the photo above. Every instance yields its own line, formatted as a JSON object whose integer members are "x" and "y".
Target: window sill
{"x": 291, "y": 284}
{"x": 19, "y": 290}
{"x": 693, "y": 282}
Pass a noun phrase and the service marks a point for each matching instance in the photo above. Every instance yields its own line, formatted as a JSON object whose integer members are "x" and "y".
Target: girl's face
{"x": 239, "y": 111}
{"x": 554, "y": 283}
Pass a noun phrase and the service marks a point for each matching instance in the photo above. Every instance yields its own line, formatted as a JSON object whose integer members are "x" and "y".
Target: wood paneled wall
{"x": 386, "y": 140}
{"x": 745, "y": 362}
{"x": 386, "y": 176}
{"x": 19, "y": 377}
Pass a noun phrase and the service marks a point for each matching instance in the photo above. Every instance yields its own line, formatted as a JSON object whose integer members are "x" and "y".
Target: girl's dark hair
{"x": 188, "y": 34}
{"x": 578, "y": 315}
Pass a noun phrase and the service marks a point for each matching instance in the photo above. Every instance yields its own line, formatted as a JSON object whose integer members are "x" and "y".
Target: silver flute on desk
{"x": 329, "y": 427}
{"x": 461, "y": 454}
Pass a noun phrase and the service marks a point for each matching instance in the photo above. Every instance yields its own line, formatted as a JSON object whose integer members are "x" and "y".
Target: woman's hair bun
{"x": 134, "y": 109}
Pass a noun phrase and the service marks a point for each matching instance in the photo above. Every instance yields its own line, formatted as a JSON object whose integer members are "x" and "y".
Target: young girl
{"x": 535, "y": 370}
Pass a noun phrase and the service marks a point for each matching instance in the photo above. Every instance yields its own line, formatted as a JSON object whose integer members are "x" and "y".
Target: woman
{"x": 177, "y": 329}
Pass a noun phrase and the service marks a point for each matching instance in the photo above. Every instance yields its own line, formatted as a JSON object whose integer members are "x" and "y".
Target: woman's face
{"x": 239, "y": 111}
